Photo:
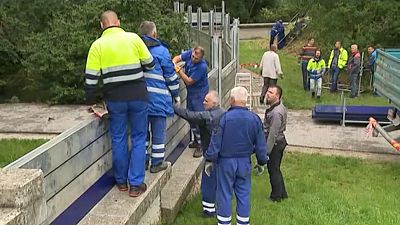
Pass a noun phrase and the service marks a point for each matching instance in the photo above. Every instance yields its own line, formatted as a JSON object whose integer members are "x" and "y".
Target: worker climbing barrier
{"x": 63, "y": 181}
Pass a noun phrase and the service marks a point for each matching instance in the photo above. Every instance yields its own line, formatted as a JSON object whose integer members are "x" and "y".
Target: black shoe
{"x": 274, "y": 199}
{"x": 194, "y": 145}
{"x": 198, "y": 153}
{"x": 160, "y": 167}
{"x": 313, "y": 94}
{"x": 318, "y": 97}
{"x": 207, "y": 214}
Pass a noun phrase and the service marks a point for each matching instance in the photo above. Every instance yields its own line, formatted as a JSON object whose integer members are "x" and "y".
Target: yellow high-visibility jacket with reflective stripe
{"x": 342, "y": 58}
{"x": 118, "y": 58}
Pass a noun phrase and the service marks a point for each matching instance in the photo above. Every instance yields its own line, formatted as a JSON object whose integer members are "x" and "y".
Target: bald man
{"x": 207, "y": 121}
{"x": 120, "y": 58}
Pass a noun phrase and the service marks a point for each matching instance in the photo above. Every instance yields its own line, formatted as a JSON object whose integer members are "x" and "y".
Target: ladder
{"x": 245, "y": 80}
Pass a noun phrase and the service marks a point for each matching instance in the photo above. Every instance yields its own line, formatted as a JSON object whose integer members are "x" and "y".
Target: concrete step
{"x": 118, "y": 208}
{"x": 186, "y": 173}
{"x": 11, "y": 216}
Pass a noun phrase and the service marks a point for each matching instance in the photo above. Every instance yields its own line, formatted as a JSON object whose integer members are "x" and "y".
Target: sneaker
{"x": 198, "y": 153}
{"x": 136, "y": 191}
{"x": 160, "y": 167}
{"x": 122, "y": 187}
{"x": 313, "y": 94}
{"x": 194, "y": 145}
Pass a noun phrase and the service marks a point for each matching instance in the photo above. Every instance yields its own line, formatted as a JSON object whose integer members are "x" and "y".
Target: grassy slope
{"x": 12, "y": 149}
{"x": 294, "y": 96}
{"x": 322, "y": 190}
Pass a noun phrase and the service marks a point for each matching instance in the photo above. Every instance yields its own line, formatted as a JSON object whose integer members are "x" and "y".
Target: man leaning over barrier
{"x": 208, "y": 122}
{"x": 195, "y": 78}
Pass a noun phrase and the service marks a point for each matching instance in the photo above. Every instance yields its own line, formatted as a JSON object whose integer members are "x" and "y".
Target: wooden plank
{"x": 59, "y": 149}
{"x": 63, "y": 199}
{"x": 59, "y": 178}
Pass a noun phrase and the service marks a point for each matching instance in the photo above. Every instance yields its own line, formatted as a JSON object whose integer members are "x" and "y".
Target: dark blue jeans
{"x": 354, "y": 84}
{"x": 306, "y": 80}
{"x": 334, "y": 75}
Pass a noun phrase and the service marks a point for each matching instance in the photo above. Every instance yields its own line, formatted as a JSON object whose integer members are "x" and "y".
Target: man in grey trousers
{"x": 275, "y": 124}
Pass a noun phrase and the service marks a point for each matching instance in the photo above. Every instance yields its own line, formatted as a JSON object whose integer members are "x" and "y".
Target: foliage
{"x": 361, "y": 22}
{"x": 294, "y": 96}
{"x": 322, "y": 190}
{"x": 44, "y": 43}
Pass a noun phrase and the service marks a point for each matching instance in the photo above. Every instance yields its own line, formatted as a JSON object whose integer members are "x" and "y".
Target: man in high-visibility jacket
{"x": 316, "y": 68}
{"x": 162, "y": 85}
{"x": 119, "y": 58}
{"x": 337, "y": 61}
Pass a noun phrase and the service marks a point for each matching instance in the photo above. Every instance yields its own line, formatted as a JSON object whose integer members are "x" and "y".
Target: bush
{"x": 47, "y": 60}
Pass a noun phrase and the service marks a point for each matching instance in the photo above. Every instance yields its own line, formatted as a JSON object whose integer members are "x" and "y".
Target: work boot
{"x": 122, "y": 187}
{"x": 136, "y": 191}
{"x": 194, "y": 144}
{"x": 160, "y": 167}
{"x": 318, "y": 97}
{"x": 313, "y": 94}
{"x": 198, "y": 153}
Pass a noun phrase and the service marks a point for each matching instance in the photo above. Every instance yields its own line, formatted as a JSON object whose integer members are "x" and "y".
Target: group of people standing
{"x": 141, "y": 89}
{"x": 313, "y": 67}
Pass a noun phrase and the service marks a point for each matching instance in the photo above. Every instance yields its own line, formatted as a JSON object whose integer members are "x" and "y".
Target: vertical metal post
{"x": 190, "y": 23}
{"x": 227, "y": 27}
{"x": 199, "y": 21}
{"x": 220, "y": 75}
{"x": 214, "y": 55}
{"x": 211, "y": 23}
{"x": 343, "y": 103}
{"x": 235, "y": 41}
{"x": 223, "y": 16}
{"x": 176, "y": 7}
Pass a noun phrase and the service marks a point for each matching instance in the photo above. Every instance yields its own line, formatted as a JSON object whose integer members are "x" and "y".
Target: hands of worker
{"x": 259, "y": 169}
{"x": 177, "y": 68}
{"x": 208, "y": 168}
{"x": 177, "y": 100}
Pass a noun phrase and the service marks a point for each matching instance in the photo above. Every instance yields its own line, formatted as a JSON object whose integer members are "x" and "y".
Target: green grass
{"x": 295, "y": 97}
{"x": 12, "y": 149}
{"x": 322, "y": 190}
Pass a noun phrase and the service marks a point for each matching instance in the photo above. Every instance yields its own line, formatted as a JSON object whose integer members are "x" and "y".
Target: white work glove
{"x": 177, "y": 100}
{"x": 259, "y": 169}
{"x": 208, "y": 168}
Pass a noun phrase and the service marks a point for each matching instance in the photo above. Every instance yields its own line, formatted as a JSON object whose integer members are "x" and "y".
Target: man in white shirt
{"x": 270, "y": 69}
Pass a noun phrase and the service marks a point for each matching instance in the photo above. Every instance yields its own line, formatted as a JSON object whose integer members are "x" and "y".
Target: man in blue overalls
{"x": 240, "y": 134}
{"x": 196, "y": 80}
{"x": 208, "y": 122}
{"x": 162, "y": 85}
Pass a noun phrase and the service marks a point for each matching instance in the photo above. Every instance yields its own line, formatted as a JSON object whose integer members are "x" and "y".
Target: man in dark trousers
{"x": 208, "y": 122}
{"x": 240, "y": 134}
{"x": 275, "y": 125}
